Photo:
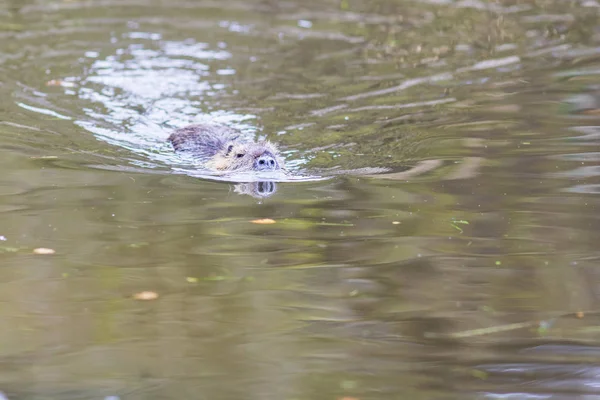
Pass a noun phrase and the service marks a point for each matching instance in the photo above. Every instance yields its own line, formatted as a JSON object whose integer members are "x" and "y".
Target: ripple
{"x": 247, "y": 177}
{"x": 448, "y": 194}
{"x": 584, "y": 189}
{"x": 488, "y": 64}
{"x": 405, "y": 85}
{"x": 43, "y": 111}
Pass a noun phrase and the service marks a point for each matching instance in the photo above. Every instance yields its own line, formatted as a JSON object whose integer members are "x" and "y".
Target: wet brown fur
{"x": 222, "y": 148}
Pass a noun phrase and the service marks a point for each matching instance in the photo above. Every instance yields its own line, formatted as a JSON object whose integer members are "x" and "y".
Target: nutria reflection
{"x": 258, "y": 190}
{"x": 225, "y": 149}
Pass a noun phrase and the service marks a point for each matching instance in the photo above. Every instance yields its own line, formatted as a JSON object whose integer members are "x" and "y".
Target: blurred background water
{"x": 468, "y": 270}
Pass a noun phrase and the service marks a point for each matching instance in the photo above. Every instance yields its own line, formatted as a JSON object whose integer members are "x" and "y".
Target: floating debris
{"x": 57, "y": 82}
{"x": 43, "y": 250}
{"x": 263, "y": 221}
{"x": 147, "y": 295}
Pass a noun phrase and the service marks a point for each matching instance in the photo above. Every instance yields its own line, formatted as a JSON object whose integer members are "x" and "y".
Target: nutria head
{"x": 249, "y": 156}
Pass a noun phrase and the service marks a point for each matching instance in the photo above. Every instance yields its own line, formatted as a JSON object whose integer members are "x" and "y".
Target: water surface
{"x": 451, "y": 254}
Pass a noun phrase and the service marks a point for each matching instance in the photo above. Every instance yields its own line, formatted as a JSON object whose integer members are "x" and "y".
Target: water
{"x": 451, "y": 253}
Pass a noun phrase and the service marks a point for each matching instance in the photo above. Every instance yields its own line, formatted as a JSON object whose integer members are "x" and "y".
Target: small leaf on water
{"x": 479, "y": 374}
{"x": 263, "y": 221}
{"x": 544, "y": 326}
{"x": 396, "y": 222}
{"x": 191, "y": 279}
{"x": 57, "y": 82}
{"x": 43, "y": 250}
{"x": 147, "y": 295}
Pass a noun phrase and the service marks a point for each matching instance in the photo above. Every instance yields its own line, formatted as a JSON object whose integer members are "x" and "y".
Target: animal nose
{"x": 266, "y": 162}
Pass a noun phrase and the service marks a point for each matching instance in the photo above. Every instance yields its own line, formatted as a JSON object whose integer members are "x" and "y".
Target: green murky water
{"x": 468, "y": 270}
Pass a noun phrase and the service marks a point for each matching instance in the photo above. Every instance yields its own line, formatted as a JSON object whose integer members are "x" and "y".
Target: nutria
{"x": 224, "y": 149}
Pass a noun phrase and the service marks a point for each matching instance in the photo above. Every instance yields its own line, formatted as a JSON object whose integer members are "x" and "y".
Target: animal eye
{"x": 229, "y": 148}
{"x": 239, "y": 155}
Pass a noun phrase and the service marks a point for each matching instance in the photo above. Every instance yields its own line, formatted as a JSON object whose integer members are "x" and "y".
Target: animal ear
{"x": 229, "y": 148}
